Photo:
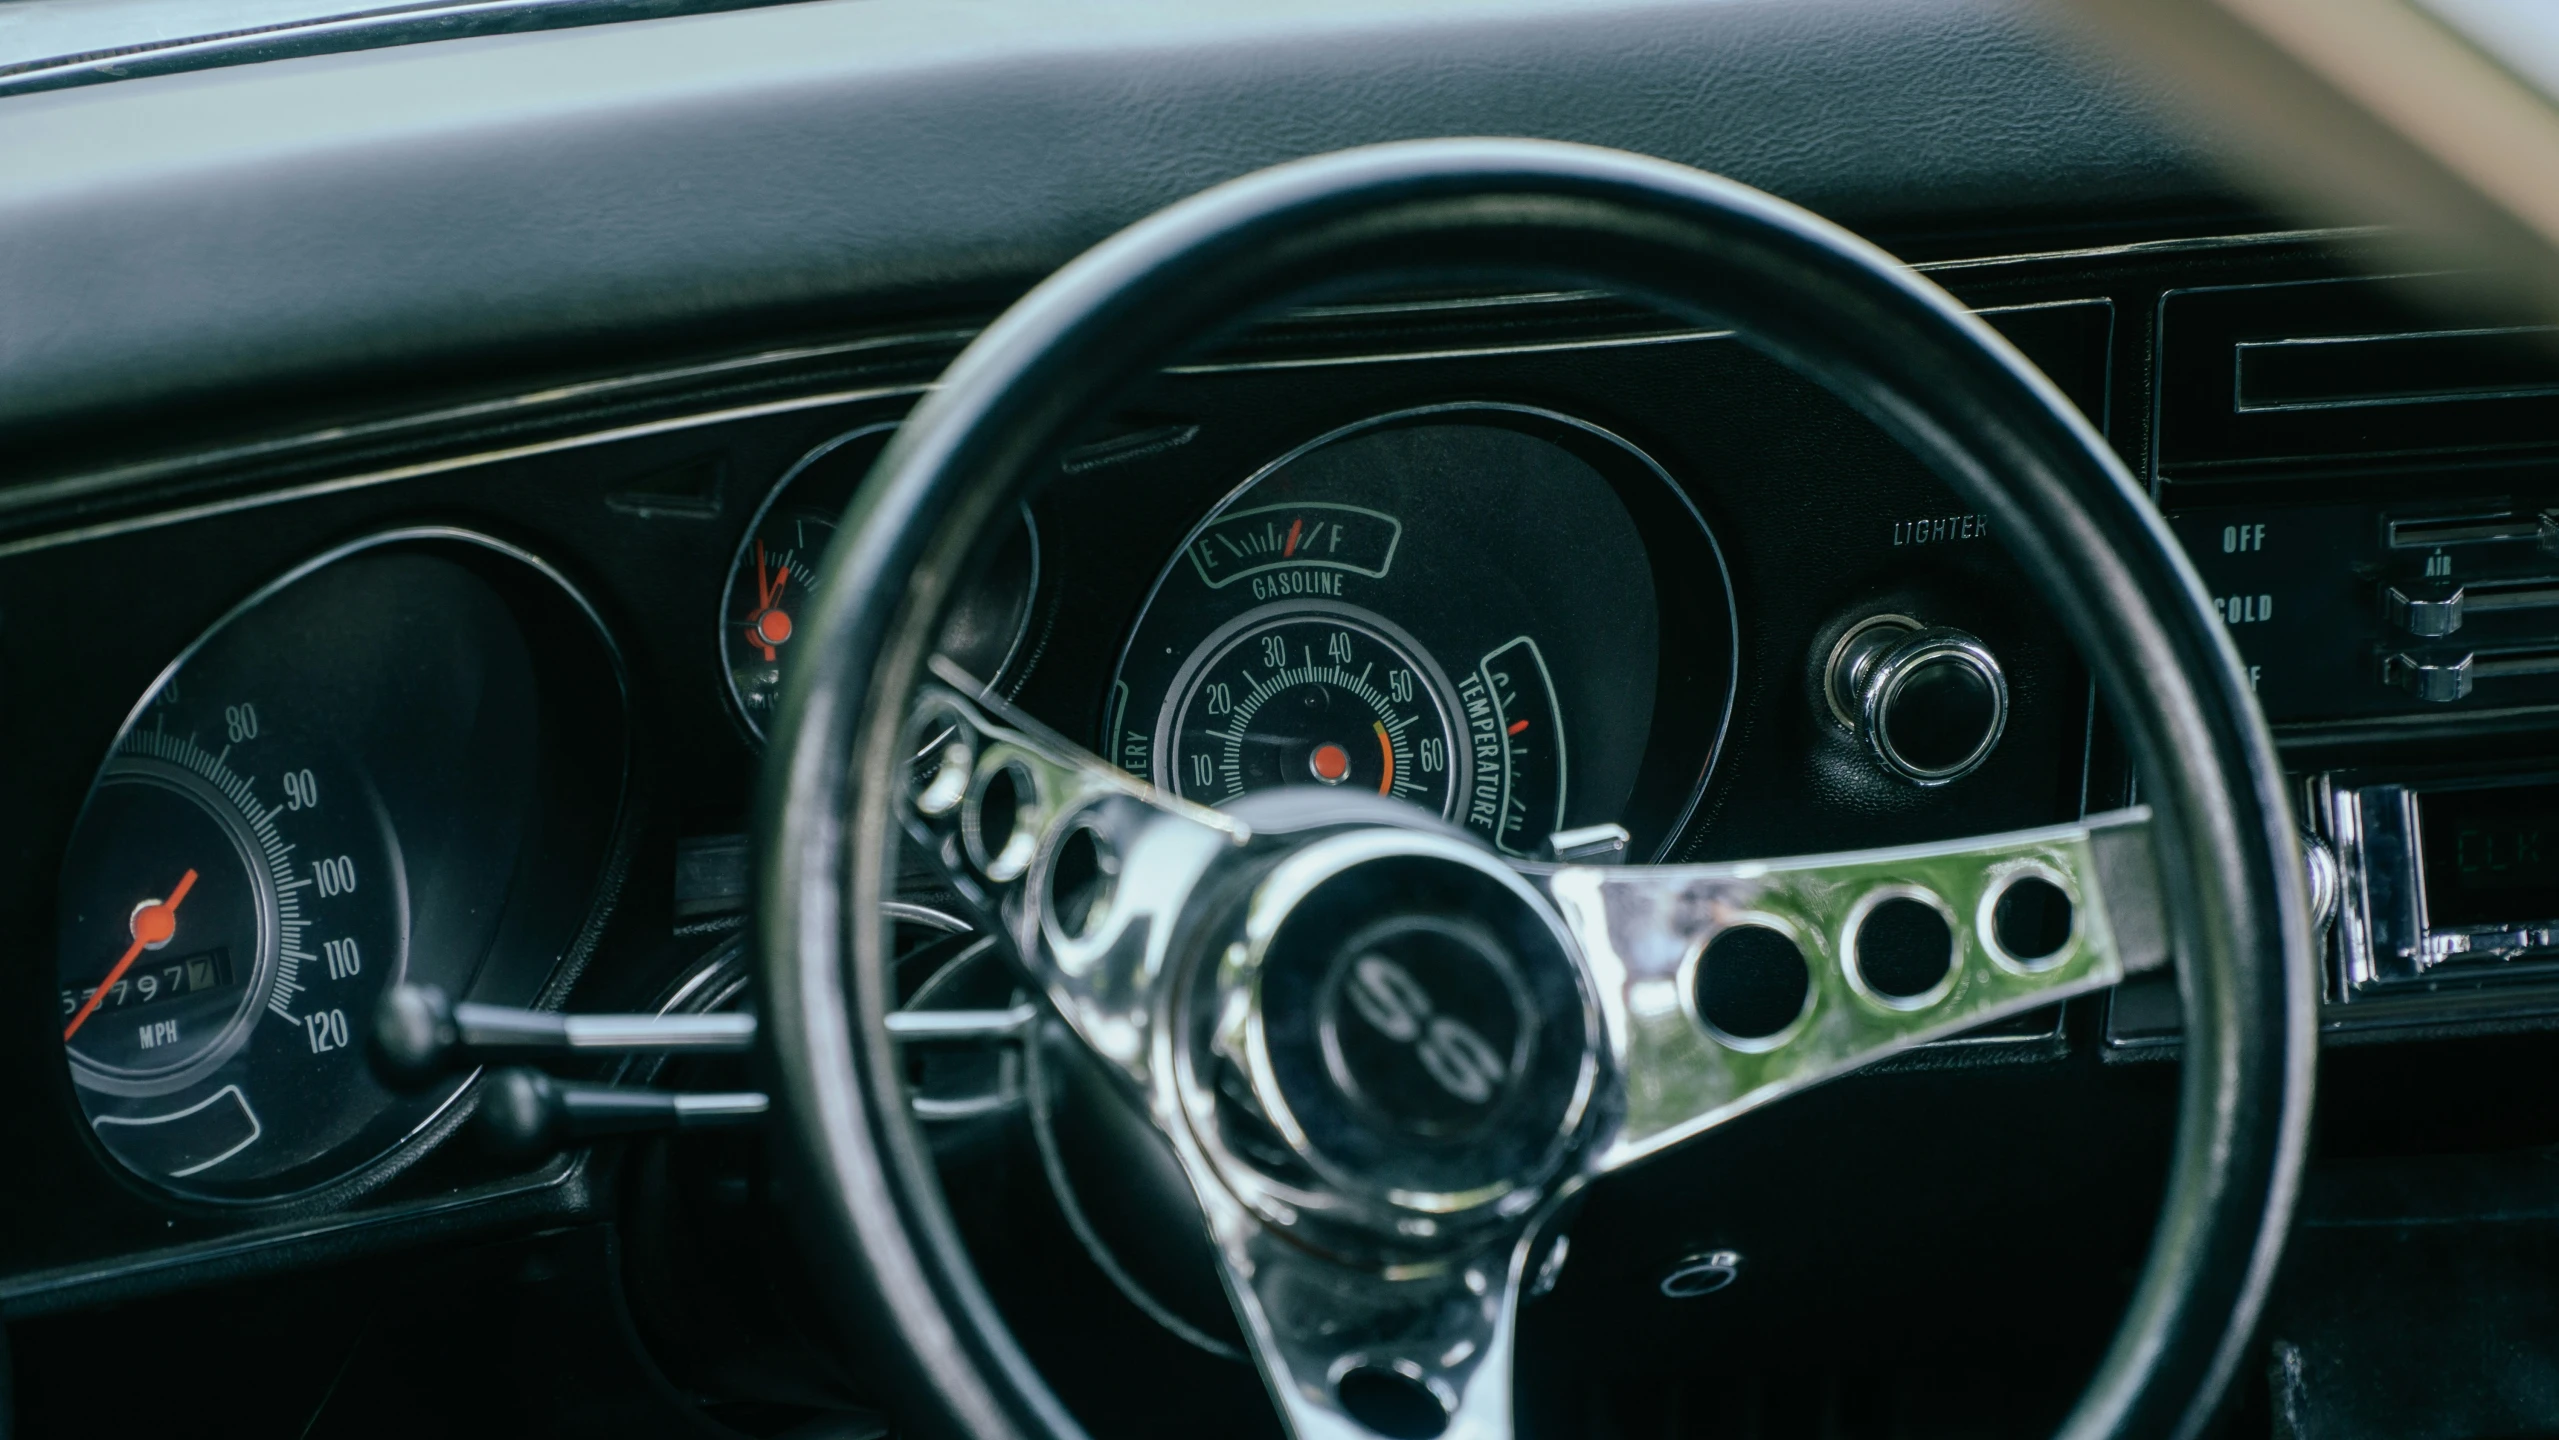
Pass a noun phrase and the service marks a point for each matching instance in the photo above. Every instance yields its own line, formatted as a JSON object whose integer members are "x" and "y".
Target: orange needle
{"x": 1386, "y": 747}
{"x": 770, "y": 625}
{"x": 152, "y": 925}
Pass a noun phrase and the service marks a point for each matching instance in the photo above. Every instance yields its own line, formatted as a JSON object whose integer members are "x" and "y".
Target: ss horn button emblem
{"x": 1387, "y": 996}
{"x": 1426, "y": 1025}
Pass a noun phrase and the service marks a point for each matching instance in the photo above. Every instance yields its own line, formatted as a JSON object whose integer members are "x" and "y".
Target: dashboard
{"x": 489, "y": 715}
{"x": 466, "y": 681}
{"x": 1530, "y": 588}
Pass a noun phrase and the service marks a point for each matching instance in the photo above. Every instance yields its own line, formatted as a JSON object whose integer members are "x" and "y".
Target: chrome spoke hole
{"x": 999, "y": 822}
{"x": 2029, "y": 917}
{"x": 1750, "y": 984}
{"x": 1390, "y": 1402}
{"x": 943, "y": 763}
{"x": 1900, "y": 948}
{"x": 1081, "y": 878}
{"x": 1695, "y": 1275}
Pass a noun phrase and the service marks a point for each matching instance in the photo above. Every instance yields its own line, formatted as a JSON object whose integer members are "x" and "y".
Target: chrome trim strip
{"x": 17, "y": 1291}
{"x": 2311, "y": 236}
{"x": 1539, "y": 347}
{"x": 371, "y": 28}
{"x": 13, "y": 499}
{"x": 261, "y": 499}
{"x": 73, "y": 487}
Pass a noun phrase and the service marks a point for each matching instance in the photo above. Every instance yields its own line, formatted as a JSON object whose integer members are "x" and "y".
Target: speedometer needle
{"x": 153, "y": 925}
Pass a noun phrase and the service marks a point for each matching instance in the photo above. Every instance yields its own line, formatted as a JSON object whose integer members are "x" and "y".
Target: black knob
{"x": 414, "y": 1036}
{"x": 524, "y": 1112}
{"x": 1930, "y": 703}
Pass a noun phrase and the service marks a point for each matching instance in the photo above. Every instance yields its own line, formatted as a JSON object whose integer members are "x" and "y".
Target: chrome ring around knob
{"x": 1887, "y": 664}
{"x": 2326, "y": 881}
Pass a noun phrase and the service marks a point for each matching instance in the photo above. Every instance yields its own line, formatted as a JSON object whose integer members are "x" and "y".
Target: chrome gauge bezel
{"x": 344, "y": 1176}
{"x": 192, "y": 786}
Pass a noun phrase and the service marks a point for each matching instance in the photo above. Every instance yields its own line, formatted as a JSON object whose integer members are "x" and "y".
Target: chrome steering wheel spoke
{"x": 1351, "y": 1350}
{"x": 1728, "y": 986}
{"x": 1384, "y": 1056}
{"x": 1082, "y": 867}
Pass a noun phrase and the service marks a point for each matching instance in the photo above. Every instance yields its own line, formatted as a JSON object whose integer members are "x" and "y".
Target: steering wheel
{"x": 1382, "y": 1054}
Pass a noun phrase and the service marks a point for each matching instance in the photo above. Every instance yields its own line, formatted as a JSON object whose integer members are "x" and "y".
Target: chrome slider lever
{"x": 420, "y": 1035}
{"x": 525, "y": 1112}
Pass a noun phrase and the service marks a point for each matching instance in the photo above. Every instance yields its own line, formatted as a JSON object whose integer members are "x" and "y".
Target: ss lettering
{"x": 1457, "y": 1059}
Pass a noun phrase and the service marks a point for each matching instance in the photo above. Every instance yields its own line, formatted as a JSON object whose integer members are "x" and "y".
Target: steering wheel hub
{"x": 1409, "y": 1017}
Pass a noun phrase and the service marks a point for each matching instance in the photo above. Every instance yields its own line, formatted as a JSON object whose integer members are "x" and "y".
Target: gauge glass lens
{"x": 779, "y": 566}
{"x": 1313, "y": 694}
{"x": 242, "y": 883}
{"x": 1505, "y": 617}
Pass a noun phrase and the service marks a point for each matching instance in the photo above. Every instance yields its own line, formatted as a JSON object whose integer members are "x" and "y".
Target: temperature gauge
{"x": 1516, "y": 730}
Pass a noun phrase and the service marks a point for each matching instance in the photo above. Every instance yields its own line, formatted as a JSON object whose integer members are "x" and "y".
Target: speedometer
{"x": 202, "y": 902}
{"x": 1506, "y": 617}
{"x": 402, "y": 761}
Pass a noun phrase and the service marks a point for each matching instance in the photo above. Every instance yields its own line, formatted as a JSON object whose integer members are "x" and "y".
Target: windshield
{"x": 50, "y": 44}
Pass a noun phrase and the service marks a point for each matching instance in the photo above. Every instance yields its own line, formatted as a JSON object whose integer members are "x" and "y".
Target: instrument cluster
{"x": 1510, "y": 618}
{"x": 403, "y": 760}
{"x": 495, "y": 724}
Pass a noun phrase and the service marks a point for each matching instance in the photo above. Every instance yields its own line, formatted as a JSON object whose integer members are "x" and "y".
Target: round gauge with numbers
{"x": 1310, "y": 692}
{"x": 1506, "y": 617}
{"x": 211, "y": 898}
{"x": 339, "y": 787}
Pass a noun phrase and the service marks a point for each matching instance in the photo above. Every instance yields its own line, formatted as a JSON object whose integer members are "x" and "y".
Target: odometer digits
{"x": 1310, "y": 694}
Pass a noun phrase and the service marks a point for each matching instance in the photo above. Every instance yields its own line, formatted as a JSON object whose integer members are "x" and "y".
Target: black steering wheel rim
{"x": 1831, "y": 306}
